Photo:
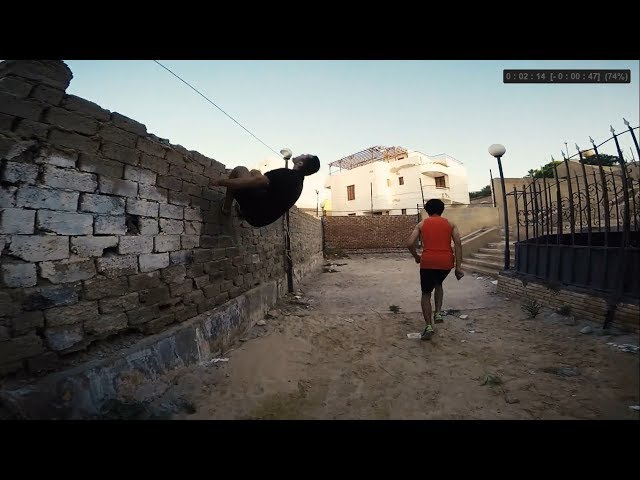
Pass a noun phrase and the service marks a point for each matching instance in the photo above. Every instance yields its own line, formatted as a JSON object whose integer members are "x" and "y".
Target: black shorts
{"x": 430, "y": 278}
{"x": 255, "y": 207}
{"x": 250, "y": 201}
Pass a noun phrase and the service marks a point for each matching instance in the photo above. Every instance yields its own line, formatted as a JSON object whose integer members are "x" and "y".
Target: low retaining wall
{"x": 584, "y": 305}
{"x": 136, "y": 373}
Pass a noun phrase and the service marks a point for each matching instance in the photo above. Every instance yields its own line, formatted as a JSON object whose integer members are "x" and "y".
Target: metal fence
{"x": 581, "y": 228}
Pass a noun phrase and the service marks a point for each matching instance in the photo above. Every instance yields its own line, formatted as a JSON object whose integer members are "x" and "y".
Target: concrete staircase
{"x": 489, "y": 260}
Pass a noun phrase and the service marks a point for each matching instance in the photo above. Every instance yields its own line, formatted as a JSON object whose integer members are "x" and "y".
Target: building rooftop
{"x": 380, "y": 154}
{"x": 369, "y": 155}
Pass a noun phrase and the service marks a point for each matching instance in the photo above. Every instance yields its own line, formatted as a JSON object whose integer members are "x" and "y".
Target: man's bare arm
{"x": 411, "y": 242}
{"x": 457, "y": 244}
{"x": 256, "y": 181}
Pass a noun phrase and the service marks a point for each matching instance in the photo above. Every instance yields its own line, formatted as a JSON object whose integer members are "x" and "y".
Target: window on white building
{"x": 351, "y": 192}
{"x": 401, "y": 180}
{"x": 404, "y": 211}
{"x": 440, "y": 182}
{"x": 388, "y": 182}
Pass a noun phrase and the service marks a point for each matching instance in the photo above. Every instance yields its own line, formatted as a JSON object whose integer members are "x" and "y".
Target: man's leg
{"x": 438, "y": 294}
{"x": 440, "y": 277}
{"x": 237, "y": 172}
{"x": 426, "y": 285}
{"x": 426, "y": 308}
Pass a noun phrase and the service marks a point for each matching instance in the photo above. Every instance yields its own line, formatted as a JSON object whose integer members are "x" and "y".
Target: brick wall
{"x": 583, "y": 306}
{"x": 306, "y": 242}
{"x": 105, "y": 228}
{"x": 364, "y": 232}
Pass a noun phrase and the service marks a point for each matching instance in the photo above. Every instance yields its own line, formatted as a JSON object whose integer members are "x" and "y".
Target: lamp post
{"x": 317, "y": 203}
{"x": 286, "y": 154}
{"x": 497, "y": 150}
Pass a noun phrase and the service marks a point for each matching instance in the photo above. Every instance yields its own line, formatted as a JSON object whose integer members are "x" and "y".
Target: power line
{"x": 208, "y": 100}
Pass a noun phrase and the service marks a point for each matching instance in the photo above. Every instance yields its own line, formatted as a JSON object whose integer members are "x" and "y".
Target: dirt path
{"x": 346, "y": 356}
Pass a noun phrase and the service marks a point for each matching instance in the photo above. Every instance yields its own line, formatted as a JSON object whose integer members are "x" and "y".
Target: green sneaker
{"x": 427, "y": 333}
{"x": 437, "y": 317}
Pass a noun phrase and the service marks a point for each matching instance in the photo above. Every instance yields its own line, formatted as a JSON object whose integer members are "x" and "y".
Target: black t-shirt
{"x": 263, "y": 206}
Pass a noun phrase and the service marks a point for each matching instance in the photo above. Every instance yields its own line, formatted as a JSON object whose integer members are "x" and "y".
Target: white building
{"x": 393, "y": 180}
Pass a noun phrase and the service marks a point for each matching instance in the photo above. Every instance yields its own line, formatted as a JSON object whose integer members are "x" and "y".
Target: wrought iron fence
{"x": 581, "y": 228}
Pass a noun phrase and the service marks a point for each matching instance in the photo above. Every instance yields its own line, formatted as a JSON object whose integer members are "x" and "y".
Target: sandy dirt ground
{"x": 338, "y": 352}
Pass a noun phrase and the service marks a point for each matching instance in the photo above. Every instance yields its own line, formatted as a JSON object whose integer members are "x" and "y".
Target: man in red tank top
{"x": 437, "y": 259}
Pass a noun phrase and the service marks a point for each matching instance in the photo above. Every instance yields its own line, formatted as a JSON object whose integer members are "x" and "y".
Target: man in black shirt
{"x": 265, "y": 198}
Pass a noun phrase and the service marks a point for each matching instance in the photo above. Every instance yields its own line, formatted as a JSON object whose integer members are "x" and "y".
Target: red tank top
{"x": 437, "y": 253}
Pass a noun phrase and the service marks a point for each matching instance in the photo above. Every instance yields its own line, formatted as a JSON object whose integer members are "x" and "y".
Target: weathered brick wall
{"x": 306, "y": 242}
{"x": 105, "y": 228}
{"x": 583, "y": 306}
{"x": 365, "y": 232}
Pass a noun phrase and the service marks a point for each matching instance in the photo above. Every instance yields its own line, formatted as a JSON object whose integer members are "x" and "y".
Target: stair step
{"x": 500, "y": 245}
{"x": 492, "y": 265}
{"x": 493, "y": 257}
{"x": 478, "y": 269}
{"x": 494, "y": 251}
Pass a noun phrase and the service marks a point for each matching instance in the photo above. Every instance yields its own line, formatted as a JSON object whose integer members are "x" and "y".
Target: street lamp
{"x": 286, "y": 154}
{"x": 497, "y": 150}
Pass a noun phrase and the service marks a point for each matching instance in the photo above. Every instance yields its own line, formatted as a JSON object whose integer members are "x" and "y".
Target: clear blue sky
{"x": 335, "y": 108}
